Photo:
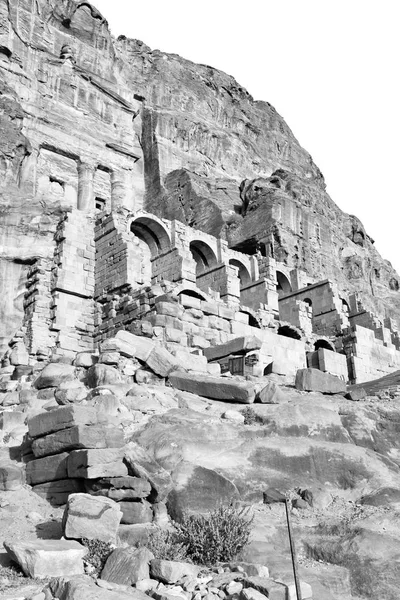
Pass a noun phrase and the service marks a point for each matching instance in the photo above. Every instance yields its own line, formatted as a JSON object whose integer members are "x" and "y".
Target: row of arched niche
{"x": 156, "y": 241}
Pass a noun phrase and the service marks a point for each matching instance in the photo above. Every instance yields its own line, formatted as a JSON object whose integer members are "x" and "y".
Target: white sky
{"x": 330, "y": 68}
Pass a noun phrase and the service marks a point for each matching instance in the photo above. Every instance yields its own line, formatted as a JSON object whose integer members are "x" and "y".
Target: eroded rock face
{"x": 201, "y": 134}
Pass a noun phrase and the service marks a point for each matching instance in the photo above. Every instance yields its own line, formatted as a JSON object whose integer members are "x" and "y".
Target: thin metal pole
{"x": 293, "y": 551}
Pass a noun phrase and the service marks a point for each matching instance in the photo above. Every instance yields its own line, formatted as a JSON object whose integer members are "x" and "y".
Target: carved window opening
{"x": 100, "y": 204}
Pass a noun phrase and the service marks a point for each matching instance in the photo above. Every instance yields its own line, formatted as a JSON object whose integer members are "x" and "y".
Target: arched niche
{"x": 290, "y": 332}
{"x": 323, "y": 344}
{"x": 243, "y": 273}
{"x": 203, "y": 255}
{"x": 150, "y": 239}
{"x": 253, "y": 321}
{"x": 152, "y": 233}
{"x": 193, "y": 294}
{"x": 283, "y": 286}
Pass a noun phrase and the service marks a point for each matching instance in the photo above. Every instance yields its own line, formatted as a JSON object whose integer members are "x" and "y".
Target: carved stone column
{"x": 85, "y": 186}
{"x": 122, "y": 194}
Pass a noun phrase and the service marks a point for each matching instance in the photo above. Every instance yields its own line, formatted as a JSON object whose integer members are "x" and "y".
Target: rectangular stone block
{"x": 239, "y": 345}
{"x": 217, "y": 388}
{"x": 92, "y": 464}
{"x": 61, "y": 418}
{"x": 81, "y": 436}
{"x": 141, "y": 346}
{"x": 45, "y": 469}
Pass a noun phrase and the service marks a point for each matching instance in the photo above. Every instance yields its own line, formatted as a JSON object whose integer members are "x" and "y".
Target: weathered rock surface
{"x": 91, "y": 517}
{"x": 142, "y": 465}
{"x": 58, "y": 492}
{"x": 48, "y": 558}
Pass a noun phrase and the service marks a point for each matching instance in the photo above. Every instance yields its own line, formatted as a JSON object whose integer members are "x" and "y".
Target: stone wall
{"x": 368, "y": 356}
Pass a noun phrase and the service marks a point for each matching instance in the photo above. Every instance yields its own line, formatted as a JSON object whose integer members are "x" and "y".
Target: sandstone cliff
{"x": 186, "y": 134}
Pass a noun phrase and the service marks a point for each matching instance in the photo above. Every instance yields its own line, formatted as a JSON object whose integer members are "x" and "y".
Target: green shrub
{"x": 97, "y": 555}
{"x": 251, "y": 417}
{"x": 217, "y": 537}
{"x": 166, "y": 545}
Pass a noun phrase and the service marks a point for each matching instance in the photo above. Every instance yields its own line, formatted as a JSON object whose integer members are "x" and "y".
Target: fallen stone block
{"x": 74, "y": 438}
{"x": 85, "y": 359}
{"x": 216, "y": 388}
{"x": 171, "y": 571}
{"x": 45, "y": 469}
{"x": 239, "y": 345}
{"x": 314, "y": 380}
{"x": 271, "y": 394}
{"x": 95, "y": 463}
{"x": 91, "y": 517}
{"x": 126, "y": 566}
{"x": 143, "y": 465}
{"x": 58, "y": 492}
{"x": 134, "y": 513}
{"x": 54, "y": 374}
{"x": 141, "y": 346}
{"x": 191, "y": 362}
{"x": 47, "y": 558}
{"x": 119, "y": 488}
{"x": 61, "y": 418}
{"x": 162, "y": 362}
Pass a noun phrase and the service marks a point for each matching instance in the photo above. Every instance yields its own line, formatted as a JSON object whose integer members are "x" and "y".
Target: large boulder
{"x": 126, "y": 566}
{"x": 198, "y": 490}
{"x": 54, "y": 374}
{"x": 217, "y": 388}
{"x": 99, "y": 375}
{"x": 314, "y": 380}
{"x": 47, "y": 558}
{"x": 91, "y": 517}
